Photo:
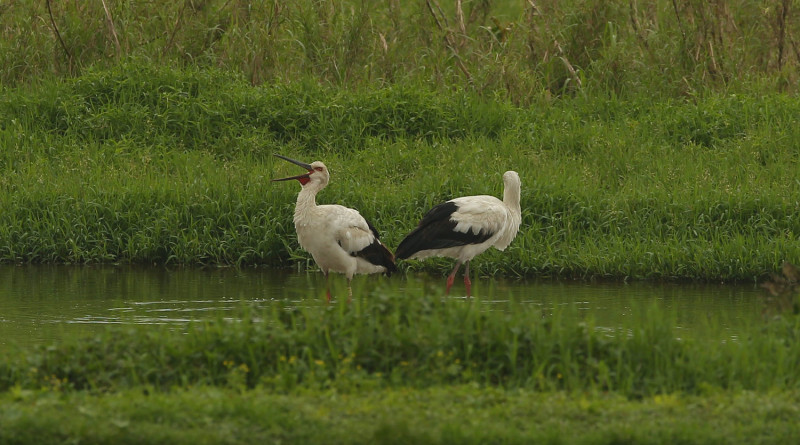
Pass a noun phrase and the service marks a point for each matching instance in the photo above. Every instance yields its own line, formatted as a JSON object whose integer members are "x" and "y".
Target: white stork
{"x": 464, "y": 227}
{"x": 338, "y": 238}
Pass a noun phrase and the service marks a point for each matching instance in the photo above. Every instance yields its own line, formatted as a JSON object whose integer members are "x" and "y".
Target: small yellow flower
{"x": 319, "y": 362}
{"x": 668, "y": 400}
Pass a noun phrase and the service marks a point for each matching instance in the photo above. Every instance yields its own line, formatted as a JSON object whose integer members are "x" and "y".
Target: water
{"x": 42, "y": 304}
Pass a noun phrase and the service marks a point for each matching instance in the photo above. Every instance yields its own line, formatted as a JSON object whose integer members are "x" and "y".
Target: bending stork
{"x": 464, "y": 227}
{"x": 339, "y": 238}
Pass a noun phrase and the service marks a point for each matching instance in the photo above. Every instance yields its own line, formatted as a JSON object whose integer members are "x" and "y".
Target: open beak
{"x": 302, "y": 178}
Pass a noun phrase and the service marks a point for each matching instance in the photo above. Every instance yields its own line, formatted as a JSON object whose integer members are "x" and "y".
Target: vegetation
{"x": 440, "y": 415}
{"x": 389, "y": 367}
{"x": 388, "y": 339}
{"x": 655, "y": 140}
{"x": 139, "y": 164}
{"x": 522, "y": 51}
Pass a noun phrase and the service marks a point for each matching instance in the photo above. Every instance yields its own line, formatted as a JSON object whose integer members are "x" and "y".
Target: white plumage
{"x": 462, "y": 228}
{"x": 338, "y": 238}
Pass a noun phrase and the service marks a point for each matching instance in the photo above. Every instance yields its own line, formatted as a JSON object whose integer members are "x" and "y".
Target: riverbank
{"x": 459, "y": 414}
{"x": 389, "y": 368}
{"x": 147, "y": 165}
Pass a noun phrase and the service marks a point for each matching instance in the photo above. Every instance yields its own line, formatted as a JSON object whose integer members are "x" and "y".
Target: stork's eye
{"x": 319, "y": 169}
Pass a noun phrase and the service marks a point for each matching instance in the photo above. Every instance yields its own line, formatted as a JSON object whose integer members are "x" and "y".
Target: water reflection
{"x": 44, "y": 303}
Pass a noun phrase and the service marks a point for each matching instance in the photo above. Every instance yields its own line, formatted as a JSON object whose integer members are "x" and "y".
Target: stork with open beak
{"x": 462, "y": 228}
{"x": 338, "y": 238}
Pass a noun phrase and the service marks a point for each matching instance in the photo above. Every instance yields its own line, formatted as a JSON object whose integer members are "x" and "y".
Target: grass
{"x": 460, "y": 414}
{"x": 521, "y": 51}
{"x": 413, "y": 368}
{"x": 647, "y": 149}
{"x": 145, "y": 165}
{"x": 654, "y": 141}
{"x": 387, "y": 339}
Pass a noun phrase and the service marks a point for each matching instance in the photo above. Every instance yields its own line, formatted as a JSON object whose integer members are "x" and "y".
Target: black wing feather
{"x": 437, "y": 231}
{"x": 376, "y": 253}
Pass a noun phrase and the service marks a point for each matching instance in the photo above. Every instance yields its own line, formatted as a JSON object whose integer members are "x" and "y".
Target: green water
{"x": 42, "y": 304}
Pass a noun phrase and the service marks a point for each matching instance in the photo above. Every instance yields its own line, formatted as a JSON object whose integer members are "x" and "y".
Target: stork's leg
{"x": 328, "y": 288}
{"x": 452, "y": 277}
{"x": 349, "y": 290}
{"x": 467, "y": 283}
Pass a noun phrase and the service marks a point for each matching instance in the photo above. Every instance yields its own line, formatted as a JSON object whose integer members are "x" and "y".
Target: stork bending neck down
{"x": 338, "y": 238}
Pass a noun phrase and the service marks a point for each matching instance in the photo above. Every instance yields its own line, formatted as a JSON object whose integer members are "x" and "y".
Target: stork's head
{"x": 511, "y": 178}
{"x": 317, "y": 175}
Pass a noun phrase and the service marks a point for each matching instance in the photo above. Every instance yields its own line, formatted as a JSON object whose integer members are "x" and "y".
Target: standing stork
{"x": 464, "y": 227}
{"x": 338, "y": 238}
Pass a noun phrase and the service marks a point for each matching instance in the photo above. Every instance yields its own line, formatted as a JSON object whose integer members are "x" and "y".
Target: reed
{"x": 523, "y": 51}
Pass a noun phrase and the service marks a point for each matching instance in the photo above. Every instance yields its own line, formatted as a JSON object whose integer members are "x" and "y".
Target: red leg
{"x": 451, "y": 277}
{"x": 467, "y": 282}
{"x": 328, "y": 289}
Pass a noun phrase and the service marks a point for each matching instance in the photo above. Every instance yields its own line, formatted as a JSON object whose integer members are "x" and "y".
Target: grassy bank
{"x": 139, "y": 164}
{"x": 654, "y": 141}
{"x": 388, "y": 340}
{"x": 407, "y": 369}
{"x": 462, "y": 414}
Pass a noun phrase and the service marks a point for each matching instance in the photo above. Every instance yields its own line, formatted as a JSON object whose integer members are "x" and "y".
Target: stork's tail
{"x": 377, "y": 254}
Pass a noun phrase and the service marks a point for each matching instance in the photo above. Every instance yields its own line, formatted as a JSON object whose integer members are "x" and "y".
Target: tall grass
{"x": 524, "y": 51}
{"x": 383, "y": 340}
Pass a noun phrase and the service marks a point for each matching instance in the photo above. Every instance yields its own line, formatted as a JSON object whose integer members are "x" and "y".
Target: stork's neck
{"x": 511, "y": 198}
{"x": 306, "y": 203}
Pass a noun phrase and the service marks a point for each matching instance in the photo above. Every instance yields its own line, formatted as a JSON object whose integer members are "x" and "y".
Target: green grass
{"x": 521, "y": 51}
{"x": 654, "y": 141}
{"x": 139, "y": 164}
{"x": 386, "y": 339}
{"x": 461, "y": 414}
{"x": 646, "y": 148}
{"x": 413, "y": 368}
